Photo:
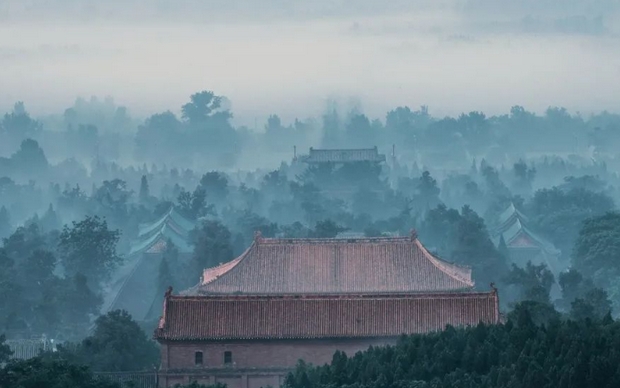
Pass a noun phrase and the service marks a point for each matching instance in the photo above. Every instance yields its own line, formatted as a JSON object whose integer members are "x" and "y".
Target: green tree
{"x": 598, "y": 247}
{"x": 18, "y": 124}
{"x": 427, "y": 191}
{"x": 78, "y": 303}
{"x": 203, "y": 106}
{"x": 144, "y": 193}
{"x": 534, "y": 281}
{"x": 215, "y": 185}
{"x": 89, "y": 247}
{"x": 5, "y": 350}
{"x": 5, "y": 222}
{"x": 30, "y": 158}
{"x": 43, "y": 373}
{"x": 559, "y": 214}
{"x": 112, "y": 197}
{"x": 475, "y": 248}
{"x": 295, "y": 230}
{"x": 327, "y": 229}
{"x": 595, "y": 305}
{"x": 50, "y": 220}
{"x": 194, "y": 205}
{"x": 212, "y": 246}
{"x": 117, "y": 344}
{"x": 463, "y": 238}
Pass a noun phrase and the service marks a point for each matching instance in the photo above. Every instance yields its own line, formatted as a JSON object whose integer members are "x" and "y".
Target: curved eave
{"x": 213, "y": 273}
{"x": 459, "y": 273}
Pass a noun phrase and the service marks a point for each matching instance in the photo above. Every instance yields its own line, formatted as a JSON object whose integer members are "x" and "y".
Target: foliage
{"x": 34, "y": 299}
{"x": 215, "y": 185}
{"x": 40, "y": 372}
{"x": 203, "y": 105}
{"x": 326, "y": 229}
{"x": 594, "y": 304}
{"x": 212, "y": 246}
{"x": 534, "y": 281}
{"x": 117, "y": 344}
{"x": 559, "y": 213}
{"x": 597, "y": 248}
{"x": 427, "y": 191}
{"x": 5, "y": 350}
{"x": 463, "y": 238}
{"x": 30, "y": 158}
{"x": 194, "y": 205}
{"x": 519, "y": 353}
{"x": 144, "y": 193}
{"x": 5, "y": 222}
{"x": 89, "y": 248}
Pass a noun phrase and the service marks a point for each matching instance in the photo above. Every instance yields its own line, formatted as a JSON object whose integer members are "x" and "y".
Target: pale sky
{"x": 290, "y": 57}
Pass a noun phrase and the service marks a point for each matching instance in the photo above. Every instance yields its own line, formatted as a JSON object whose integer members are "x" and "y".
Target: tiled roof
{"x": 171, "y": 226}
{"x": 509, "y": 216}
{"x": 517, "y": 235}
{"x": 315, "y": 266}
{"x": 326, "y": 316}
{"x": 343, "y": 155}
{"x": 134, "y": 284}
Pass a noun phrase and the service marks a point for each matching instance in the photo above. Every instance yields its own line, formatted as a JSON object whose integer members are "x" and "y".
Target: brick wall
{"x": 255, "y": 364}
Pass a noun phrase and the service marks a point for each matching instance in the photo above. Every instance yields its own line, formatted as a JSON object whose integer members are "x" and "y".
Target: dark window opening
{"x": 198, "y": 358}
{"x": 227, "y": 357}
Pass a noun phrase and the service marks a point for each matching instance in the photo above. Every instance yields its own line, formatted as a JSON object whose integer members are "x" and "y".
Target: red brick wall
{"x": 255, "y": 363}
{"x": 261, "y": 354}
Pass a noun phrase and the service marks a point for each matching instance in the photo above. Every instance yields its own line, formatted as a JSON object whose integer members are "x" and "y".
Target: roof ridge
{"x": 331, "y": 296}
{"x": 344, "y": 149}
{"x": 343, "y": 240}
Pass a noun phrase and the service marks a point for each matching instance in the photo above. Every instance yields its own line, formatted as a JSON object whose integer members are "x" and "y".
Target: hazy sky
{"x": 290, "y": 57}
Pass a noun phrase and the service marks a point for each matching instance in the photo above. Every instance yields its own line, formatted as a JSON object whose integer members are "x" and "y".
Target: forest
{"x": 77, "y": 188}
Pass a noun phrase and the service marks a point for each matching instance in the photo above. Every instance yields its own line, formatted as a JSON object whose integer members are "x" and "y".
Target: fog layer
{"x": 289, "y": 57}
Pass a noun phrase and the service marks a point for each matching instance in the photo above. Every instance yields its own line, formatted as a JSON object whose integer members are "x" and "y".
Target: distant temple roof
{"x": 134, "y": 284}
{"x": 512, "y": 227}
{"x": 507, "y": 218}
{"x": 320, "y": 316}
{"x": 152, "y": 237}
{"x": 324, "y": 266}
{"x": 343, "y": 156}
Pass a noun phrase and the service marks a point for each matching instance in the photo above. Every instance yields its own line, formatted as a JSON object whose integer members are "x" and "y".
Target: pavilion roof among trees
{"x": 343, "y": 156}
{"x": 523, "y": 244}
{"x": 334, "y": 266}
{"x": 134, "y": 285}
{"x": 172, "y": 226}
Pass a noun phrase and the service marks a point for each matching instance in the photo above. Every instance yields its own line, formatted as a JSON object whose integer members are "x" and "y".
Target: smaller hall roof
{"x": 152, "y": 237}
{"x": 512, "y": 227}
{"x": 343, "y": 155}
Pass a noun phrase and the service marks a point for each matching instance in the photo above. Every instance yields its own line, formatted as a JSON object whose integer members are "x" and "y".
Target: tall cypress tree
{"x": 144, "y": 189}
{"x": 5, "y": 223}
{"x": 503, "y": 248}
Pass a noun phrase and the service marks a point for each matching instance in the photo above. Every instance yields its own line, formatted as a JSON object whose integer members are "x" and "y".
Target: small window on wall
{"x": 198, "y": 358}
{"x": 227, "y": 357}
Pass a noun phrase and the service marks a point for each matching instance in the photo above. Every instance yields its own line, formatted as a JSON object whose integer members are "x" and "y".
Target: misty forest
{"x": 528, "y": 199}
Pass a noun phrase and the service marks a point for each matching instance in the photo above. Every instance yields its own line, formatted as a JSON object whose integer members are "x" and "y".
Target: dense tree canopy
{"x": 38, "y": 372}
{"x": 519, "y": 353}
{"x": 117, "y": 344}
{"x": 89, "y": 248}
